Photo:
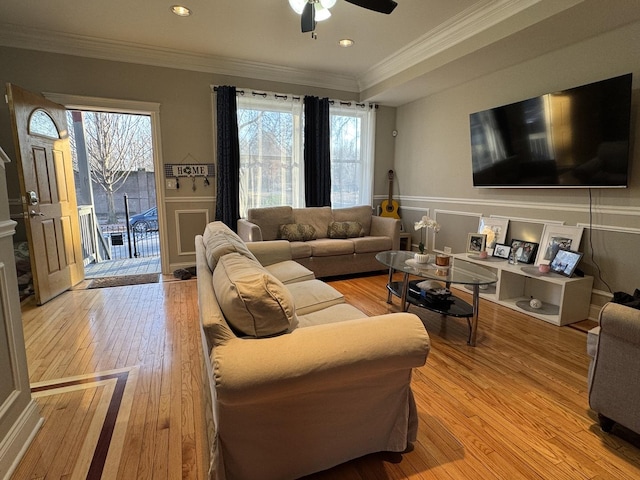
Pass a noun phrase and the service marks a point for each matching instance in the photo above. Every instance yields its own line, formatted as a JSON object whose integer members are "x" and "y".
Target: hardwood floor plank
{"x": 513, "y": 407}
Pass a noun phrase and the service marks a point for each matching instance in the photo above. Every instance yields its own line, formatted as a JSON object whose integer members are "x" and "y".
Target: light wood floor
{"x": 513, "y": 407}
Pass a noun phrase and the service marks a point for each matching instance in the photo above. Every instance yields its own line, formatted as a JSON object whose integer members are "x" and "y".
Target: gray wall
{"x": 433, "y": 156}
{"x": 185, "y": 120}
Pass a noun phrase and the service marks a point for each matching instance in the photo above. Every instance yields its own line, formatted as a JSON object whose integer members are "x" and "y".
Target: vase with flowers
{"x": 424, "y": 224}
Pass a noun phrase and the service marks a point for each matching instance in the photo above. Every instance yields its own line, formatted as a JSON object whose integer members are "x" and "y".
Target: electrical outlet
{"x": 447, "y": 250}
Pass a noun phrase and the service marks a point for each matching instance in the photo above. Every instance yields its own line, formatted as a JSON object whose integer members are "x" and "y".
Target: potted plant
{"x": 424, "y": 224}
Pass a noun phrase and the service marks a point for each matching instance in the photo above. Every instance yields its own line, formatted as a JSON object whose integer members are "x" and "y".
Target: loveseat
{"x": 614, "y": 347}
{"x": 325, "y": 240}
{"x": 297, "y": 380}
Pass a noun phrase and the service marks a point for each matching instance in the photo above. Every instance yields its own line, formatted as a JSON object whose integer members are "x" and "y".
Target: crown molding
{"x": 476, "y": 19}
{"x": 84, "y": 46}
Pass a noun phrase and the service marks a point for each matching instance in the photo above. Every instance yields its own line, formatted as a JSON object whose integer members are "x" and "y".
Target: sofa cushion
{"x": 296, "y": 232}
{"x": 336, "y": 313}
{"x": 313, "y": 295}
{"x": 290, "y": 272}
{"x": 372, "y": 244}
{"x": 270, "y": 218}
{"x": 318, "y": 217}
{"x": 220, "y": 240}
{"x": 361, "y": 214}
{"x": 328, "y": 247}
{"x": 300, "y": 250}
{"x": 345, "y": 230}
{"x": 254, "y": 302}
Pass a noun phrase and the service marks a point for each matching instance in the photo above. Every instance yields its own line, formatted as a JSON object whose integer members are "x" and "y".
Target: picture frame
{"x": 476, "y": 242}
{"x": 555, "y": 237}
{"x": 565, "y": 262}
{"x": 495, "y": 229}
{"x": 500, "y": 250}
{"x": 524, "y": 251}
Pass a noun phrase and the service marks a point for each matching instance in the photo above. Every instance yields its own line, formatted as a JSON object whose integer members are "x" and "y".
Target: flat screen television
{"x": 575, "y": 138}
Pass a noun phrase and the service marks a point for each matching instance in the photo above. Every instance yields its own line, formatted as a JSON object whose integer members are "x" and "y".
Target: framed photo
{"x": 495, "y": 229}
{"x": 525, "y": 252}
{"x": 556, "y": 237}
{"x": 501, "y": 251}
{"x": 476, "y": 242}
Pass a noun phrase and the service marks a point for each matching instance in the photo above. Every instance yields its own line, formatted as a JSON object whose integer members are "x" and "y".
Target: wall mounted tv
{"x": 569, "y": 139}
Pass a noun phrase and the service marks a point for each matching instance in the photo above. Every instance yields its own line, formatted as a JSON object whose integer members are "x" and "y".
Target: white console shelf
{"x": 564, "y": 300}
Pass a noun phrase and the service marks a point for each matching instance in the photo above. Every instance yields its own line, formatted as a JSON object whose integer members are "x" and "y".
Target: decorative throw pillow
{"x": 296, "y": 232}
{"x": 345, "y": 230}
{"x": 254, "y": 302}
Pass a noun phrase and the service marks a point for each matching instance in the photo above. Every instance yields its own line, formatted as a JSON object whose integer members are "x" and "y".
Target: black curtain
{"x": 317, "y": 155}
{"x": 228, "y": 175}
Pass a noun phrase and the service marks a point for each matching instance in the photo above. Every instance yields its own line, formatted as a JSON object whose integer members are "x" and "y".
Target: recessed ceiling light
{"x": 346, "y": 42}
{"x": 181, "y": 10}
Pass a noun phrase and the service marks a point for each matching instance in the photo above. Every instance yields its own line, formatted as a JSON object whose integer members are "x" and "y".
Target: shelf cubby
{"x": 564, "y": 300}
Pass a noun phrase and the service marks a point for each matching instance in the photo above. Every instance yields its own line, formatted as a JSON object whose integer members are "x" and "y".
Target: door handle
{"x": 33, "y": 213}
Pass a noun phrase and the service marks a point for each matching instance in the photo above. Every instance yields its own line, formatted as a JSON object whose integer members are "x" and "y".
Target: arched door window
{"x": 42, "y": 124}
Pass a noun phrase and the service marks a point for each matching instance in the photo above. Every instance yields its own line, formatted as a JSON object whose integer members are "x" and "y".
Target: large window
{"x": 271, "y": 134}
{"x": 271, "y": 164}
{"x": 352, "y": 137}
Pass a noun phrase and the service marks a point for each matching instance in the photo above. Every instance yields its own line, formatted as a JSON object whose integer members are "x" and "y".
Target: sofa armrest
{"x": 386, "y": 227}
{"x": 620, "y": 321}
{"x": 270, "y": 252}
{"x": 249, "y": 232}
{"x": 319, "y": 357}
{"x": 611, "y": 392}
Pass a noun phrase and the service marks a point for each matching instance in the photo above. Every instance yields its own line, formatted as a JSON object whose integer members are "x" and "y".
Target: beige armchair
{"x": 614, "y": 383}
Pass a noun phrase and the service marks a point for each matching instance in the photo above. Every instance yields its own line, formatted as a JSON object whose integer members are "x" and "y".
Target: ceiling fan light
{"x": 321, "y": 12}
{"x": 297, "y": 5}
{"x": 328, "y": 3}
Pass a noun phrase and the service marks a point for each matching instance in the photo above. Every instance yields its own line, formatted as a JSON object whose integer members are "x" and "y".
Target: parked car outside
{"x": 145, "y": 222}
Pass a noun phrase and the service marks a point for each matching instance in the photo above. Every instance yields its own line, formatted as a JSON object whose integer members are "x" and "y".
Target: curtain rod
{"x": 293, "y": 97}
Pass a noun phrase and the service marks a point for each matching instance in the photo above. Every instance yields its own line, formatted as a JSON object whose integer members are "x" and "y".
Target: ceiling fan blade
{"x": 308, "y": 18}
{"x": 382, "y": 6}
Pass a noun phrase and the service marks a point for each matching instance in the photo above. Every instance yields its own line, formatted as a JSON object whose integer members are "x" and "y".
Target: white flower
{"x": 427, "y": 222}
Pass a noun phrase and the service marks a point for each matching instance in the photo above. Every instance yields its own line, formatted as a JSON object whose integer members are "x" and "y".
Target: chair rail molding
{"x": 610, "y": 228}
{"x": 7, "y": 228}
{"x": 621, "y": 210}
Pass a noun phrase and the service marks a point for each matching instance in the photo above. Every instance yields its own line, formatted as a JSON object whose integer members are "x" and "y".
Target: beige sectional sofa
{"x": 327, "y": 241}
{"x": 297, "y": 380}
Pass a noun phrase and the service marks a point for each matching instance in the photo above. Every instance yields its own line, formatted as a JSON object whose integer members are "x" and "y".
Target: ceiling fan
{"x": 312, "y": 11}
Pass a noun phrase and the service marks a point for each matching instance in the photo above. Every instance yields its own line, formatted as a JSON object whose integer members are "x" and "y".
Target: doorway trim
{"x": 112, "y": 105}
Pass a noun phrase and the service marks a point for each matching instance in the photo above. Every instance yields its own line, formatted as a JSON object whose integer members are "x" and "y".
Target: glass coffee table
{"x": 458, "y": 272}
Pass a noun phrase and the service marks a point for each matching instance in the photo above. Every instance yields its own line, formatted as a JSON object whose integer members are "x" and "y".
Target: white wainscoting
{"x": 189, "y": 223}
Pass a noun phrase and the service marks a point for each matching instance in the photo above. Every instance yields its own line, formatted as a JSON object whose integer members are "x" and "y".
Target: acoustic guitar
{"x": 389, "y": 207}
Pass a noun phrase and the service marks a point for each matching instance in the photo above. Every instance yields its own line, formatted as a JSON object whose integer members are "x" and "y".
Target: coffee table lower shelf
{"x": 452, "y": 307}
